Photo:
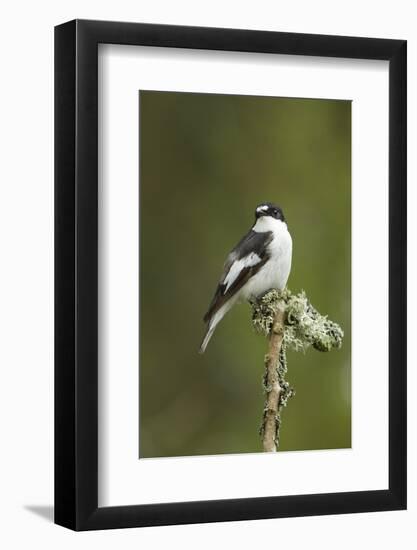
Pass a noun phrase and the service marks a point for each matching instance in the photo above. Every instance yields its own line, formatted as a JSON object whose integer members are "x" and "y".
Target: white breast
{"x": 275, "y": 273}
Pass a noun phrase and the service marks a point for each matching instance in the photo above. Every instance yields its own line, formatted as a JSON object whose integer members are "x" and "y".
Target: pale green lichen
{"x": 304, "y": 326}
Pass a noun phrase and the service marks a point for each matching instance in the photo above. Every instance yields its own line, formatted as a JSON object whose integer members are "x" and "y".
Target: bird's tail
{"x": 206, "y": 339}
{"x": 213, "y": 322}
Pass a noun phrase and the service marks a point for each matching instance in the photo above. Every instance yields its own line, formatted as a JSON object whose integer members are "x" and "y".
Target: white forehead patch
{"x": 262, "y": 208}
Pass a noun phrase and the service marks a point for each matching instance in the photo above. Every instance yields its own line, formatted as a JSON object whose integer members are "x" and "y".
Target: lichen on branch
{"x": 300, "y": 326}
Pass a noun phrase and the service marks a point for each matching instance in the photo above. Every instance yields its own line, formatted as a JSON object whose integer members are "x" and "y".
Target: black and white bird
{"x": 259, "y": 262}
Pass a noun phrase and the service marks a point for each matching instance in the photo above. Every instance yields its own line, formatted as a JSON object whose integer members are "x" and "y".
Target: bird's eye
{"x": 276, "y": 212}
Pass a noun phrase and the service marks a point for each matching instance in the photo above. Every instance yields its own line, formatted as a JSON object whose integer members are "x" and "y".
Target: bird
{"x": 261, "y": 261}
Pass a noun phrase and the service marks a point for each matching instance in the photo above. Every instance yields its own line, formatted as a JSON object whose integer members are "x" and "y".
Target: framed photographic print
{"x": 230, "y": 254}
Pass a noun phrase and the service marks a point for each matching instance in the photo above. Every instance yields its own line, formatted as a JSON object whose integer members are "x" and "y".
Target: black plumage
{"x": 252, "y": 242}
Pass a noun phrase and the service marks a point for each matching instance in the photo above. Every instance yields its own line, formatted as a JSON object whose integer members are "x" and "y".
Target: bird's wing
{"x": 246, "y": 259}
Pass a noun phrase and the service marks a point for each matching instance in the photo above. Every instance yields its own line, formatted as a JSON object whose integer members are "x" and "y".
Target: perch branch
{"x": 290, "y": 322}
{"x": 270, "y": 426}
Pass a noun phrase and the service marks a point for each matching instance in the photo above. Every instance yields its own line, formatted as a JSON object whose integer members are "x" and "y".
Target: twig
{"x": 290, "y": 322}
{"x": 270, "y": 425}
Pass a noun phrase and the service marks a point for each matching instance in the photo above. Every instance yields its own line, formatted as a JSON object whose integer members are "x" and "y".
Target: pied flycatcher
{"x": 259, "y": 262}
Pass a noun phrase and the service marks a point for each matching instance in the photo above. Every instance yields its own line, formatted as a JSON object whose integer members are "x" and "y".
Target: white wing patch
{"x": 237, "y": 266}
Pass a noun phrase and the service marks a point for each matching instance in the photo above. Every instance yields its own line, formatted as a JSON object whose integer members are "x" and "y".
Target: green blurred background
{"x": 206, "y": 162}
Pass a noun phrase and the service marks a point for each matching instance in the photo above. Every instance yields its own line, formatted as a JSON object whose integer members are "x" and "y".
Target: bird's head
{"x": 269, "y": 209}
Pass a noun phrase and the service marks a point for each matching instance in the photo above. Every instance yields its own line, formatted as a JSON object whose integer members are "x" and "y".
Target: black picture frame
{"x": 76, "y": 272}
